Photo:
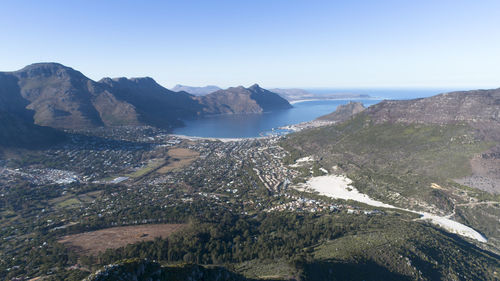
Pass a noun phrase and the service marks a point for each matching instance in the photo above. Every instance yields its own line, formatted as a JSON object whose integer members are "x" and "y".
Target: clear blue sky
{"x": 276, "y": 43}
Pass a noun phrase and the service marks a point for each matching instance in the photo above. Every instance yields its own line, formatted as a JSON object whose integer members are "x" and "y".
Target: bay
{"x": 255, "y": 125}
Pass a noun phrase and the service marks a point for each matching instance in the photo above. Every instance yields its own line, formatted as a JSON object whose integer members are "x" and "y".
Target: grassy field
{"x": 152, "y": 165}
{"x": 178, "y": 158}
{"x": 71, "y": 200}
{"x": 91, "y": 243}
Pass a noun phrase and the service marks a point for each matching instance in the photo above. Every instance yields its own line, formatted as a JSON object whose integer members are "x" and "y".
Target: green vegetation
{"x": 153, "y": 165}
{"x": 440, "y": 151}
{"x": 142, "y": 270}
{"x": 402, "y": 164}
{"x": 243, "y": 223}
{"x": 390, "y": 245}
{"x": 69, "y": 203}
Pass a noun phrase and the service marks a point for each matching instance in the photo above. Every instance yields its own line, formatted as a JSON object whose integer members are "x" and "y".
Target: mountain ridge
{"x": 343, "y": 112}
{"x": 253, "y": 99}
{"x": 60, "y": 97}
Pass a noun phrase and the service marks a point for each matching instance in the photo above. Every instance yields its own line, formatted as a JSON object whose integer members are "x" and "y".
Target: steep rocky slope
{"x": 16, "y": 122}
{"x": 479, "y": 108}
{"x": 343, "y": 112}
{"x": 153, "y": 104}
{"x": 62, "y": 97}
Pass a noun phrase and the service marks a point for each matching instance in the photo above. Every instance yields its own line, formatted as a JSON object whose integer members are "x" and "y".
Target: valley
{"x": 249, "y": 140}
{"x": 242, "y": 193}
{"x": 286, "y": 206}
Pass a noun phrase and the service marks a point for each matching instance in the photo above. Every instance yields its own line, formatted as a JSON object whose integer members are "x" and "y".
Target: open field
{"x": 93, "y": 242}
{"x": 72, "y": 200}
{"x": 179, "y": 157}
{"x": 153, "y": 165}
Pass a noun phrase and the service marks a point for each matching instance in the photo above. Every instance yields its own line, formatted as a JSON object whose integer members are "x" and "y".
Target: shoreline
{"x": 215, "y": 139}
{"x": 290, "y": 128}
{"x": 335, "y": 99}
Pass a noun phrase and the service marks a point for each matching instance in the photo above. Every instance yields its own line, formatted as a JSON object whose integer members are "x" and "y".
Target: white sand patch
{"x": 305, "y": 159}
{"x": 301, "y": 161}
{"x": 304, "y": 100}
{"x": 339, "y": 187}
{"x": 454, "y": 227}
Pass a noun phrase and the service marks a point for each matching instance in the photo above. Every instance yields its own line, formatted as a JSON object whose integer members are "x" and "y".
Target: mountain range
{"x": 53, "y": 95}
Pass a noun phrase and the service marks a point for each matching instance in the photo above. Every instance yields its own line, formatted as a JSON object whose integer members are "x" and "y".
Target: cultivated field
{"x": 91, "y": 243}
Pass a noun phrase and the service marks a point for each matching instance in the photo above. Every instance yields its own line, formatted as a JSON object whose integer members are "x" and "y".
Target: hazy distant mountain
{"x": 294, "y": 94}
{"x": 343, "y": 112}
{"x": 242, "y": 100}
{"x": 197, "y": 91}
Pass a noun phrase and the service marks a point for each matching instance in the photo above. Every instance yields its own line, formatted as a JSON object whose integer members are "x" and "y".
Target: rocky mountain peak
{"x": 48, "y": 69}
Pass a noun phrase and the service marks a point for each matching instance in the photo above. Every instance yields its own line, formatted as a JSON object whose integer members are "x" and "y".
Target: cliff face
{"x": 242, "y": 100}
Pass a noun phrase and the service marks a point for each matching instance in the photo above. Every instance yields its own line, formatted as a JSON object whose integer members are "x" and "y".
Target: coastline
{"x": 341, "y": 98}
{"x": 290, "y": 128}
{"x": 295, "y": 127}
{"x": 215, "y": 139}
